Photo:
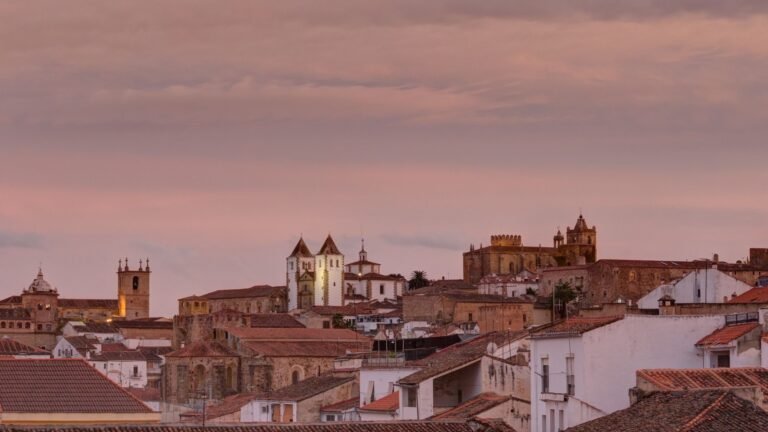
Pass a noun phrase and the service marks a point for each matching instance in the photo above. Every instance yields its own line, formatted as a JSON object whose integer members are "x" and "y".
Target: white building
{"x": 699, "y": 286}
{"x": 323, "y": 279}
{"x": 126, "y": 368}
{"x": 583, "y": 368}
{"x": 508, "y": 285}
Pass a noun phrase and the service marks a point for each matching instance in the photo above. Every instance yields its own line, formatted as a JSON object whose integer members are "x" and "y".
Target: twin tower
{"x": 315, "y": 280}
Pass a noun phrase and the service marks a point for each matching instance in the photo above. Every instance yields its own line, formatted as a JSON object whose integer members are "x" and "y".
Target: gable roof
{"x": 457, "y": 355}
{"x": 93, "y": 327}
{"x": 475, "y": 406}
{"x": 388, "y": 403}
{"x": 254, "y": 291}
{"x": 342, "y": 406}
{"x": 727, "y": 334}
{"x": 573, "y": 327}
{"x": 329, "y": 247}
{"x": 755, "y": 295}
{"x": 711, "y": 378}
{"x": 61, "y": 386}
{"x": 301, "y": 250}
{"x": 689, "y": 411}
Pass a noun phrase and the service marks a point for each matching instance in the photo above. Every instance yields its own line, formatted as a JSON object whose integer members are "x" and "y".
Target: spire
{"x": 363, "y": 253}
{"x": 301, "y": 250}
{"x": 120, "y": 265}
{"x": 147, "y": 266}
{"x": 329, "y": 247}
{"x": 126, "y": 264}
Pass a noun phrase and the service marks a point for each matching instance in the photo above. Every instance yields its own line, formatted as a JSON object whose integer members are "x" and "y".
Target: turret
{"x": 133, "y": 290}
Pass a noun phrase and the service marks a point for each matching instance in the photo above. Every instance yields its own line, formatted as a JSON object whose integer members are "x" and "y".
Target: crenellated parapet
{"x": 506, "y": 240}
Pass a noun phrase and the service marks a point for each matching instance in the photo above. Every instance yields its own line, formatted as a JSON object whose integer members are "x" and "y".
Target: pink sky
{"x": 210, "y": 135}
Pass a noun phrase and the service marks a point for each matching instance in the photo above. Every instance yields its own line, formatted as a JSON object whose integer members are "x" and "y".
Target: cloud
{"x": 9, "y": 240}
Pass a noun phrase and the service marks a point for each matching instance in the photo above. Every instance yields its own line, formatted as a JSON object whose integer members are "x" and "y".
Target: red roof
{"x": 307, "y": 348}
{"x": 88, "y": 303}
{"x": 14, "y": 347}
{"x": 573, "y": 326}
{"x": 341, "y": 406}
{"x": 295, "y": 334}
{"x": 755, "y": 295}
{"x": 61, "y": 386}
{"x": 689, "y": 379}
{"x": 475, "y": 406}
{"x": 727, "y": 334}
{"x": 274, "y": 320}
{"x": 388, "y": 403}
{"x": 254, "y": 291}
{"x": 203, "y": 349}
{"x": 328, "y": 247}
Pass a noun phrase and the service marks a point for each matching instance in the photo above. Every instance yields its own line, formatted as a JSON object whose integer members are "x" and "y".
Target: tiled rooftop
{"x": 61, "y": 386}
{"x": 350, "y": 309}
{"x": 254, "y": 291}
{"x": 388, "y": 403}
{"x": 295, "y": 334}
{"x": 327, "y": 348}
{"x": 94, "y": 327}
{"x": 144, "y": 323}
{"x": 573, "y": 326}
{"x": 755, "y": 295}
{"x": 13, "y": 347}
{"x": 203, "y": 349}
{"x": 407, "y": 426}
{"x": 475, "y": 406}
{"x": 457, "y": 355}
{"x": 88, "y": 303}
{"x": 727, "y": 334}
{"x": 683, "y": 379}
{"x": 688, "y": 411}
{"x": 341, "y": 406}
{"x": 307, "y": 388}
{"x": 275, "y": 320}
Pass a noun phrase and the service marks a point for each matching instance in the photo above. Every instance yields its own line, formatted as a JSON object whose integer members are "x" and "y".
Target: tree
{"x": 418, "y": 280}
{"x": 338, "y": 322}
{"x": 563, "y": 295}
{"x": 530, "y": 291}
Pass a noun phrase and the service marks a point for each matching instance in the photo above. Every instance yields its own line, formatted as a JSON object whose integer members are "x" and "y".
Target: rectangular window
{"x": 135, "y": 371}
{"x": 569, "y": 378}
{"x": 551, "y": 420}
{"x": 561, "y": 415}
{"x": 469, "y": 316}
{"x": 545, "y": 375}
{"x": 543, "y": 423}
{"x": 381, "y": 289}
{"x": 410, "y": 397}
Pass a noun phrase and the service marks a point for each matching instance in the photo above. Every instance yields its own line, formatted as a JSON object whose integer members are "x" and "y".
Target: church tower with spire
{"x": 300, "y": 262}
{"x": 329, "y": 275}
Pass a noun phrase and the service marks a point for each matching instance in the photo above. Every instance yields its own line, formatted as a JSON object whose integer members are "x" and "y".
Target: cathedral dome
{"x": 40, "y": 284}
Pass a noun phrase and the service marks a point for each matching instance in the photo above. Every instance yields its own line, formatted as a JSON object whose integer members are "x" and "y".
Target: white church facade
{"x": 323, "y": 279}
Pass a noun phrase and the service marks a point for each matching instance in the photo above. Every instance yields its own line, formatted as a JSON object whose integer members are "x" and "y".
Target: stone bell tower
{"x": 133, "y": 290}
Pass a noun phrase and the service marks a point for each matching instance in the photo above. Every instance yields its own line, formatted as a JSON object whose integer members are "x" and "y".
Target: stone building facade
{"x": 507, "y": 254}
{"x": 608, "y": 281}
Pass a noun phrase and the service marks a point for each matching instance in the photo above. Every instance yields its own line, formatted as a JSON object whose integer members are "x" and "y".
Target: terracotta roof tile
{"x": 305, "y": 389}
{"x": 203, "y": 349}
{"x": 573, "y": 326}
{"x": 275, "y": 320}
{"x": 88, "y": 303}
{"x": 755, "y": 295}
{"x": 683, "y": 379}
{"x": 475, "y": 406}
{"x": 294, "y": 334}
{"x": 306, "y": 348}
{"x": 301, "y": 250}
{"x": 95, "y": 327}
{"x": 11, "y": 300}
{"x": 457, "y": 355}
{"x": 254, "y": 291}
{"x": 350, "y": 309}
{"x": 127, "y": 355}
{"x": 61, "y": 386}
{"x": 144, "y": 324}
{"x": 342, "y": 406}
{"x": 688, "y": 411}
{"x": 388, "y": 403}
{"x": 13, "y": 347}
{"x": 725, "y": 335}
{"x": 394, "y": 426}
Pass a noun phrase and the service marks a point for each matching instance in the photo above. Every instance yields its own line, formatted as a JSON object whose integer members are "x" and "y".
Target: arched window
{"x": 2, "y": 324}
{"x": 135, "y": 283}
{"x": 295, "y": 377}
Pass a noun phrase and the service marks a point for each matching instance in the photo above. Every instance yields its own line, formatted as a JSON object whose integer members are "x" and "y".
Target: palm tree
{"x": 418, "y": 280}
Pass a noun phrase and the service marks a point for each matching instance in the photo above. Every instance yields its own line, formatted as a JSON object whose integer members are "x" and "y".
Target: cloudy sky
{"x": 210, "y": 135}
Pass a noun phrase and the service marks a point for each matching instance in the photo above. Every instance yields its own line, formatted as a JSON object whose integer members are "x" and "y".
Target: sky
{"x": 209, "y": 136}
